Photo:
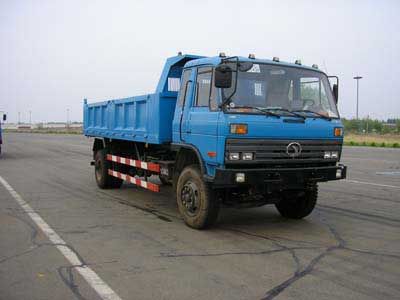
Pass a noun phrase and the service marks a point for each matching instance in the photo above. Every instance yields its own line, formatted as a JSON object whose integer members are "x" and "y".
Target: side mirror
{"x": 223, "y": 77}
{"x": 335, "y": 90}
{"x": 335, "y": 87}
{"x": 4, "y": 117}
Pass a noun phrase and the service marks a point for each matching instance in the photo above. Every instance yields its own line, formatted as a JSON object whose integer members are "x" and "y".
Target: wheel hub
{"x": 190, "y": 198}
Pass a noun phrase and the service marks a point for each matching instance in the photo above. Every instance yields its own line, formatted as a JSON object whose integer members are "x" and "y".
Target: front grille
{"x": 275, "y": 151}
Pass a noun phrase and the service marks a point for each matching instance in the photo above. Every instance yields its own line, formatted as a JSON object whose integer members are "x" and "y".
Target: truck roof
{"x": 216, "y": 60}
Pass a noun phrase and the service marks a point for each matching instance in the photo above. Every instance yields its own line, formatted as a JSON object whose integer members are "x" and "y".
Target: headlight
{"x": 331, "y": 154}
{"x": 234, "y": 156}
{"x": 247, "y": 156}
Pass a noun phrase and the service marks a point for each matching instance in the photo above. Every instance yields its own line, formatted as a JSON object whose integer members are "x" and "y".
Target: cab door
{"x": 182, "y": 106}
{"x": 202, "y": 120}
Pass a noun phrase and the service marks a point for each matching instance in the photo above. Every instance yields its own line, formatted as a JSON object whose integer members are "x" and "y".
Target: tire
{"x": 101, "y": 166}
{"x": 197, "y": 202}
{"x": 300, "y": 206}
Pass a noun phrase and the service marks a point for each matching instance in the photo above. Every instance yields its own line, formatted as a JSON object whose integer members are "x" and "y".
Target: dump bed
{"x": 146, "y": 118}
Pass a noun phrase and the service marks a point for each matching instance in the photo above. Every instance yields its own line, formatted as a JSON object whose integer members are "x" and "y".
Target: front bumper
{"x": 280, "y": 178}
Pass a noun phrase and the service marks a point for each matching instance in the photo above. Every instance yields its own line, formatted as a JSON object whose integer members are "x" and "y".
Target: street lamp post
{"x": 357, "y": 78}
{"x": 67, "y": 118}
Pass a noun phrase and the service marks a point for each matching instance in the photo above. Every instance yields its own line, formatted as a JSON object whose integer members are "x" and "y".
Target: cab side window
{"x": 184, "y": 86}
{"x": 203, "y": 83}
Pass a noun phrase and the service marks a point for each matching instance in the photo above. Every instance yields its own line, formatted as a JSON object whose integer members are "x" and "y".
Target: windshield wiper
{"x": 287, "y": 111}
{"x": 315, "y": 113}
{"x": 266, "y": 112}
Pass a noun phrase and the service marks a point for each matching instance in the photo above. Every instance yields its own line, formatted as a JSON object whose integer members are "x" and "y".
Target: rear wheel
{"x": 300, "y": 205}
{"x": 101, "y": 166}
{"x": 197, "y": 202}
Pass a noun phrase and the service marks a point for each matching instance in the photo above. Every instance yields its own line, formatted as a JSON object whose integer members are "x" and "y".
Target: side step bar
{"x": 137, "y": 164}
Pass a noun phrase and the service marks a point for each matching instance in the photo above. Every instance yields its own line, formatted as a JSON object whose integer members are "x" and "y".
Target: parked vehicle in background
{"x": 232, "y": 131}
{"x": 4, "y": 118}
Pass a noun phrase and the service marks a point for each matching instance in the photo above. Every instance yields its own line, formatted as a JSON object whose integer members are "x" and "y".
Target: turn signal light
{"x": 239, "y": 128}
{"x": 212, "y": 154}
{"x": 338, "y": 131}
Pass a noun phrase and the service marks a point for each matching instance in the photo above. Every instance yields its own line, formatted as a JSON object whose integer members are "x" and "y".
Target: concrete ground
{"x": 135, "y": 241}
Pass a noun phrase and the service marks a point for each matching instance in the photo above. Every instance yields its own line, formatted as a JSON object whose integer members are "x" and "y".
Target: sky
{"x": 53, "y": 54}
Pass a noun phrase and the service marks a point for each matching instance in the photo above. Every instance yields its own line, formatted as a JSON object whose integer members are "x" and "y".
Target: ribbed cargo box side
{"x": 145, "y": 118}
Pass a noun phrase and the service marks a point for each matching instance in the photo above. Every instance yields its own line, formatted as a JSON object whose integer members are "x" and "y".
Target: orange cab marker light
{"x": 212, "y": 153}
{"x": 338, "y": 131}
{"x": 239, "y": 128}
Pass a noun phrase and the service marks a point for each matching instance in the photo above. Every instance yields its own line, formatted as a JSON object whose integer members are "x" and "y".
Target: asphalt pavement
{"x": 130, "y": 243}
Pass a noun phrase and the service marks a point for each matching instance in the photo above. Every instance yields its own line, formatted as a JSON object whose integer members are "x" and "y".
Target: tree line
{"x": 367, "y": 125}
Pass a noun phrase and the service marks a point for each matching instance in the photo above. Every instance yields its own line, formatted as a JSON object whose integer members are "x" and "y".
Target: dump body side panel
{"x": 146, "y": 118}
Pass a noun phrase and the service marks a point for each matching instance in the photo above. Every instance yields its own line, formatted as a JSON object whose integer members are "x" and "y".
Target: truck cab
{"x": 264, "y": 131}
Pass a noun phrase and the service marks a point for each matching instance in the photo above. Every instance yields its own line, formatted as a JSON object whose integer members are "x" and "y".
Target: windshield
{"x": 280, "y": 89}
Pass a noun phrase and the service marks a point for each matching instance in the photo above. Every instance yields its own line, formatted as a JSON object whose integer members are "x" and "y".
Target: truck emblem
{"x": 293, "y": 149}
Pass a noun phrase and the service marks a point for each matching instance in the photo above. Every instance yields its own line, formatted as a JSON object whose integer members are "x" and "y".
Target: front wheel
{"x": 300, "y": 205}
{"x": 197, "y": 202}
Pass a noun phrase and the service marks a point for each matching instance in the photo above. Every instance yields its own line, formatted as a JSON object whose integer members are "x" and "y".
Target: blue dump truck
{"x": 4, "y": 118}
{"x": 224, "y": 131}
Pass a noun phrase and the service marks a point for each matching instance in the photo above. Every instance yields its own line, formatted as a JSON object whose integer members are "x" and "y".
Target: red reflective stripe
{"x": 153, "y": 167}
{"x": 144, "y": 184}
{"x": 135, "y": 163}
